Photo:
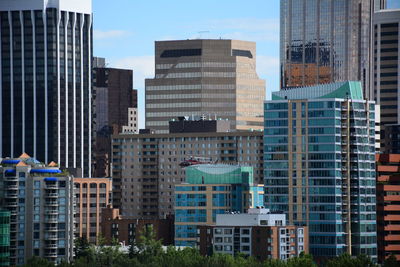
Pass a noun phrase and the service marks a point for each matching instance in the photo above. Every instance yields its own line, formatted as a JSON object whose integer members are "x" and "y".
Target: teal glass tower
{"x": 319, "y": 165}
{"x": 212, "y": 189}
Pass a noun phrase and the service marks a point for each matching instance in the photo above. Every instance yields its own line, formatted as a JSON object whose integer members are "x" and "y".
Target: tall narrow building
{"x": 210, "y": 78}
{"x": 386, "y": 72}
{"x": 319, "y": 165}
{"x": 324, "y": 41}
{"x": 45, "y": 79}
{"x": 115, "y": 109}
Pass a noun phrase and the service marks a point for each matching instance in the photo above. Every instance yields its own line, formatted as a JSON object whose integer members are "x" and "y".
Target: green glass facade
{"x": 211, "y": 190}
{"x": 4, "y": 238}
{"x": 319, "y": 165}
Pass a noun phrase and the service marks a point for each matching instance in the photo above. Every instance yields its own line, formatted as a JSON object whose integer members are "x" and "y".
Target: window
{"x": 181, "y": 53}
{"x": 245, "y": 231}
{"x": 245, "y": 248}
{"x": 241, "y": 53}
{"x": 227, "y": 231}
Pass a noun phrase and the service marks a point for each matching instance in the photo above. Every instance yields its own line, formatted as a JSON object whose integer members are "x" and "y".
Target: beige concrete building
{"x": 92, "y": 195}
{"x": 211, "y": 78}
{"x": 146, "y": 167}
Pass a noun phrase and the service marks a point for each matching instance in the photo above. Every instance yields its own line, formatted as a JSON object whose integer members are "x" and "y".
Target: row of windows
{"x": 186, "y": 96}
{"x": 242, "y": 75}
{"x": 192, "y": 105}
{"x": 191, "y": 87}
{"x": 185, "y": 65}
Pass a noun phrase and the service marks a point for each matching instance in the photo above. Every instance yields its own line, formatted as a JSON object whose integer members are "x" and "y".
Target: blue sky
{"x": 125, "y": 31}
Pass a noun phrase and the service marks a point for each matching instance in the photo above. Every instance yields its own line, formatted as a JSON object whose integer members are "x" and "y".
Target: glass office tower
{"x": 319, "y": 165}
{"x": 324, "y": 41}
{"x": 45, "y": 79}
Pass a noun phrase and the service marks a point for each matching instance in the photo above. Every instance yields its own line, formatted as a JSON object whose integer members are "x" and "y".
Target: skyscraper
{"x": 385, "y": 78}
{"x": 114, "y": 100}
{"x": 211, "y": 78}
{"x": 324, "y": 41}
{"x": 319, "y": 165}
{"x": 45, "y": 79}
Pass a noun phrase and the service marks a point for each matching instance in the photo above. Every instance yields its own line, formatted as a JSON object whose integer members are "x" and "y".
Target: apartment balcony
{"x": 51, "y": 237}
{"x": 51, "y": 186}
{"x": 51, "y": 195}
{"x": 51, "y": 229}
{"x": 51, "y": 203}
{"x": 52, "y": 254}
{"x": 51, "y": 212}
{"x": 51, "y": 245}
{"x": 11, "y": 194}
{"x": 10, "y": 179}
{"x": 11, "y": 204}
{"x": 51, "y": 219}
{"x": 12, "y": 187}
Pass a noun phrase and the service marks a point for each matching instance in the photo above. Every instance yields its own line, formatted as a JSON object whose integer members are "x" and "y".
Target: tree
{"x": 38, "y": 262}
{"x": 147, "y": 244}
{"x": 391, "y": 261}
{"x": 81, "y": 247}
{"x": 345, "y": 260}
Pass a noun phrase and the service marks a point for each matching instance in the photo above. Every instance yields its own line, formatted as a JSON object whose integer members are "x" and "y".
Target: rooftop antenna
{"x": 201, "y": 34}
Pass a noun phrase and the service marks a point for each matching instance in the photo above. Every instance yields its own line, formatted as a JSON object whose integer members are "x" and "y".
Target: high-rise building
{"x": 385, "y": 78}
{"x": 212, "y": 189}
{"x": 324, "y": 42}
{"x": 45, "y": 80}
{"x": 257, "y": 233}
{"x": 41, "y": 202}
{"x": 210, "y": 78}
{"x": 4, "y": 238}
{"x": 387, "y": 208}
{"x": 115, "y": 109}
{"x": 146, "y": 167}
{"x": 320, "y": 165}
{"x": 91, "y": 195}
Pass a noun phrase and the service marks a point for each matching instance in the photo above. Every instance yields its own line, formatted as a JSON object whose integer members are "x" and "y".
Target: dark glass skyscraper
{"x": 324, "y": 41}
{"x": 46, "y": 50}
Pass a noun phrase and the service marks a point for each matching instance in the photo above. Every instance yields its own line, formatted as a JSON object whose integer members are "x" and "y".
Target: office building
{"x": 211, "y": 78}
{"x": 115, "y": 107}
{"x": 127, "y": 230}
{"x": 385, "y": 78}
{"x": 4, "y": 238}
{"x": 147, "y": 166}
{"x": 258, "y": 233}
{"x": 387, "y": 198}
{"x": 392, "y": 139}
{"x": 45, "y": 81}
{"x": 91, "y": 195}
{"x": 320, "y": 165}
{"x": 41, "y": 202}
{"x": 212, "y": 189}
{"x": 325, "y": 42}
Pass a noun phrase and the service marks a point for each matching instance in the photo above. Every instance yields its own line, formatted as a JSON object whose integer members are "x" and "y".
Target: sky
{"x": 125, "y": 31}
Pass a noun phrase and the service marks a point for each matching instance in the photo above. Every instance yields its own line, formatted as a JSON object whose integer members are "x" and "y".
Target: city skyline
{"x": 124, "y": 45}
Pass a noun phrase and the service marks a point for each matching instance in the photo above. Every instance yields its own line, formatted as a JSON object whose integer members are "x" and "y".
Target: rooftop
{"x": 343, "y": 90}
